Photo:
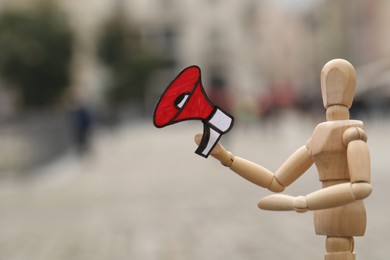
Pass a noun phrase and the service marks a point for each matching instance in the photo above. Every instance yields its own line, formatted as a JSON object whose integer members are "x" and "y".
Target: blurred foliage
{"x": 35, "y": 53}
{"x": 130, "y": 61}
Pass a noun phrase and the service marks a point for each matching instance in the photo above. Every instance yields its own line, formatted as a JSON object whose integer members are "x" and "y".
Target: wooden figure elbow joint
{"x": 338, "y": 148}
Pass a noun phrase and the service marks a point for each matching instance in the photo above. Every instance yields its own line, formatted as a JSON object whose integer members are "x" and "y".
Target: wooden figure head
{"x": 338, "y": 83}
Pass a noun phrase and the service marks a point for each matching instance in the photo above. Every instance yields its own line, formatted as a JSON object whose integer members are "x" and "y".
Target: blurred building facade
{"x": 252, "y": 45}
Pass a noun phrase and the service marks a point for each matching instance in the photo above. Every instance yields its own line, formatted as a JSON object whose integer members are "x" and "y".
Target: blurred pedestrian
{"x": 82, "y": 122}
{"x": 81, "y": 119}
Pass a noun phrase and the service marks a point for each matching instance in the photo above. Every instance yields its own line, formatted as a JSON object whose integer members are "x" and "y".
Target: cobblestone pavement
{"x": 142, "y": 194}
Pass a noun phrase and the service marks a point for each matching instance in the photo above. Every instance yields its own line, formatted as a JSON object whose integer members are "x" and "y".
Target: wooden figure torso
{"x": 328, "y": 150}
{"x": 330, "y": 157}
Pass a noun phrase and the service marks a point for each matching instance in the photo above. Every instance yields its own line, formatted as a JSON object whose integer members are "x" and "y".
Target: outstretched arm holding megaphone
{"x": 292, "y": 168}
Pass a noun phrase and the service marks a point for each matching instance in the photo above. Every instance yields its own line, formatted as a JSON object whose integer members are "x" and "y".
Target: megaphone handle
{"x": 209, "y": 139}
{"x": 218, "y": 123}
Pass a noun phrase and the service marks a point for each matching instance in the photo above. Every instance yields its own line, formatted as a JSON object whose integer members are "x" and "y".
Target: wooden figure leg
{"x": 339, "y": 248}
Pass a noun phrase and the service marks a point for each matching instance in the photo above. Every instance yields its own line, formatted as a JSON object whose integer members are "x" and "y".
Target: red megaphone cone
{"x": 185, "y": 99}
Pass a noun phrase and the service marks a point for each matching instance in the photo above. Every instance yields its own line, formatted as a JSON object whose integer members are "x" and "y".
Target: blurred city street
{"x": 142, "y": 194}
{"x": 85, "y": 175}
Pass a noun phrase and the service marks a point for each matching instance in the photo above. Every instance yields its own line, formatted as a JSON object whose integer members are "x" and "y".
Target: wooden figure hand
{"x": 281, "y": 202}
{"x": 219, "y": 152}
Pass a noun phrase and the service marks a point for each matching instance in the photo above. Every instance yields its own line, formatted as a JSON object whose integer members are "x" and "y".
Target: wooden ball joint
{"x": 340, "y": 153}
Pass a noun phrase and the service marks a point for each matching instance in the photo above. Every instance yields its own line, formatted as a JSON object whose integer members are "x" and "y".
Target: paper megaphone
{"x": 185, "y": 99}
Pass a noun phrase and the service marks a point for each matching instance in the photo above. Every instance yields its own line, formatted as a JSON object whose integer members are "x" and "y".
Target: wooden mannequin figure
{"x": 338, "y": 149}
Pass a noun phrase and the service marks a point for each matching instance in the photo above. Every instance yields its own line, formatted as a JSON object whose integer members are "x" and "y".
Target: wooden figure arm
{"x": 358, "y": 155}
{"x": 298, "y": 163}
{"x": 290, "y": 170}
{"x": 294, "y": 166}
{"x": 329, "y": 197}
{"x": 337, "y": 195}
{"x": 256, "y": 174}
{"x": 358, "y": 188}
{"x": 246, "y": 169}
